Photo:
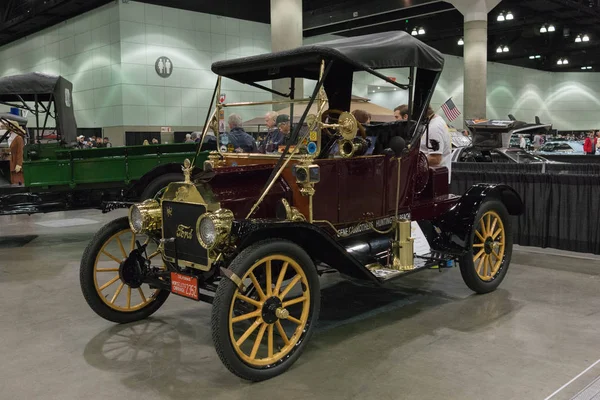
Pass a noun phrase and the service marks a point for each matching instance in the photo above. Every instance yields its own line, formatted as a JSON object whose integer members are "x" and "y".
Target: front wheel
{"x": 101, "y": 276}
{"x": 260, "y": 330}
{"x": 484, "y": 267}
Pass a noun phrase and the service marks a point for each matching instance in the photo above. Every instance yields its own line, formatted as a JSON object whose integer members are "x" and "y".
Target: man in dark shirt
{"x": 274, "y": 137}
{"x": 237, "y": 138}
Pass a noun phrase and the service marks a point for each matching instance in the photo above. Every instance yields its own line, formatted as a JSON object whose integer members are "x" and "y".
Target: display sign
{"x": 166, "y": 129}
{"x": 222, "y": 98}
{"x": 163, "y": 67}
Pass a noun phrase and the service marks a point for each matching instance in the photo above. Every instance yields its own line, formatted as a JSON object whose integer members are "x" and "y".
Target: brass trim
{"x": 229, "y": 274}
{"x": 264, "y": 103}
{"x": 282, "y": 313}
{"x": 222, "y": 220}
{"x": 151, "y": 215}
{"x": 403, "y": 247}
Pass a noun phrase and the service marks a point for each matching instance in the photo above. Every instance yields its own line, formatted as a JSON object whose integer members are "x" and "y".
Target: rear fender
{"x": 319, "y": 244}
{"x": 451, "y": 231}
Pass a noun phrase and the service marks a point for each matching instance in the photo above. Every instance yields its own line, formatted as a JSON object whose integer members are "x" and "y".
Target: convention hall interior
{"x": 305, "y": 199}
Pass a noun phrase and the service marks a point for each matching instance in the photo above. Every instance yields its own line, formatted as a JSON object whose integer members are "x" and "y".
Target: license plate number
{"x": 184, "y": 285}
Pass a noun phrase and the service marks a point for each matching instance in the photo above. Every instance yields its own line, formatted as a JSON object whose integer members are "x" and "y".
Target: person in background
{"x": 589, "y": 146}
{"x": 80, "y": 142}
{"x": 99, "y": 143}
{"x": 537, "y": 141}
{"x": 597, "y": 138}
{"x": 274, "y": 136}
{"x": 154, "y": 141}
{"x": 188, "y": 138}
{"x": 146, "y": 143}
{"x": 16, "y": 155}
{"x": 522, "y": 142}
{"x": 401, "y": 113}
{"x": 364, "y": 118}
{"x": 285, "y": 127}
{"x": 106, "y": 142}
{"x": 439, "y": 147}
{"x": 237, "y": 139}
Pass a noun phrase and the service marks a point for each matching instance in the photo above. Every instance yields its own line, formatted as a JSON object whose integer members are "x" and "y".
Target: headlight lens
{"x": 145, "y": 217}
{"x": 213, "y": 228}
{"x": 207, "y": 232}
{"x": 135, "y": 219}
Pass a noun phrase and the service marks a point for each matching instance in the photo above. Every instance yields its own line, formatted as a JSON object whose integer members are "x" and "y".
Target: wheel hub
{"x": 272, "y": 310}
{"x": 488, "y": 245}
{"x": 130, "y": 271}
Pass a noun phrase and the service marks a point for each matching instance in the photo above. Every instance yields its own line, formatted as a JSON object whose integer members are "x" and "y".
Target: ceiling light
{"x": 395, "y": 88}
{"x": 551, "y": 28}
{"x": 531, "y": 57}
{"x": 421, "y": 31}
{"x": 565, "y": 61}
{"x": 585, "y": 38}
{"x": 500, "y": 17}
{"x": 461, "y": 42}
{"x": 583, "y": 67}
{"x": 560, "y": 61}
{"x": 509, "y": 16}
{"x": 578, "y": 39}
{"x": 414, "y": 32}
{"x": 538, "y": 56}
{"x": 378, "y": 87}
{"x": 505, "y": 49}
{"x": 589, "y": 67}
{"x": 543, "y": 29}
{"x": 499, "y": 49}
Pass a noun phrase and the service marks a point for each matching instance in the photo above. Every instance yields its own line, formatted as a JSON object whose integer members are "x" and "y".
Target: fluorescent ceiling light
{"x": 583, "y": 67}
{"x": 543, "y": 29}
{"x": 538, "y": 56}
{"x": 560, "y": 61}
{"x": 461, "y": 42}
{"x": 565, "y": 61}
{"x": 499, "y": 49}
{"x": 531, "y": 57}
{"x": 551, "y": 28}
{"x": 505, "y": 49}
{"x": 578, "y": 39}
{"x": 509, "y": 16}
{"x": 585, "y": 38}
{"x": 589, "y": 67}
{"x": 421, "y": 31}
{"x": 414, "y": 32}
{"x": 500, "y": 17}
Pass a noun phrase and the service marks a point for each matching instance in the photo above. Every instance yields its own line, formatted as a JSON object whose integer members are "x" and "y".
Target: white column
{"x": 475, "y": 13}
{"x": 286, "y": 33}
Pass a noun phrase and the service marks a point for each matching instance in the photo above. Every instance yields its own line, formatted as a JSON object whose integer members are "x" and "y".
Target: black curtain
{"x": 561, "y": 204}
{"x": 137, "y": 138}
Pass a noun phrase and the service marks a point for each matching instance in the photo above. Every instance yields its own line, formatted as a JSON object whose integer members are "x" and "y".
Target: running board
{"x": 420, "y": 263}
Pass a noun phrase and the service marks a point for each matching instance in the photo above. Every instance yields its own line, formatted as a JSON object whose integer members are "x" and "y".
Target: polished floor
{"x": 424, "y": 337}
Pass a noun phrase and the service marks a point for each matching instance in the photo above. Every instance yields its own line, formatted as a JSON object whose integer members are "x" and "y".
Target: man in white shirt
{"x": 439, "y": 147}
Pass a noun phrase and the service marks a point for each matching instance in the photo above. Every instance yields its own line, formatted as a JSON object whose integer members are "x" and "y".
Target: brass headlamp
{"x": 213, "y": 228}
{"x": 145, "y": 217}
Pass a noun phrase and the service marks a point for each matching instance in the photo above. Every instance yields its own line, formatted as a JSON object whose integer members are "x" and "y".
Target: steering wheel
{"x": 330, "y": 133}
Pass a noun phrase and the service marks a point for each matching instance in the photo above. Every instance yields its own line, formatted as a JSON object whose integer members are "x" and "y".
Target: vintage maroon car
{"x": 251, "y": 232}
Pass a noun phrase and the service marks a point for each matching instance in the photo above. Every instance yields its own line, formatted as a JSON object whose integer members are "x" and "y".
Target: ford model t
{"x": 252, "y": 232}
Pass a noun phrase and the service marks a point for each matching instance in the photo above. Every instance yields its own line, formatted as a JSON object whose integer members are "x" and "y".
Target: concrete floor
{"x": 423, "y": 337}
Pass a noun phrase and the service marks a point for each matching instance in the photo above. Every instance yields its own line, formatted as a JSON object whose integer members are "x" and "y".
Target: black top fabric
{"x": 26, "y": 85}
{"x": 395, "y": 49}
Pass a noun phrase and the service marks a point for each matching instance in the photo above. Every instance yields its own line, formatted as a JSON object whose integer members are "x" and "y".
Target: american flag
{"x": 450, "y": 110}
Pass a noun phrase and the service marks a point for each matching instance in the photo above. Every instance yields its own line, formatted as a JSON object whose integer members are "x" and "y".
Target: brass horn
{"x": 355, "y": 147}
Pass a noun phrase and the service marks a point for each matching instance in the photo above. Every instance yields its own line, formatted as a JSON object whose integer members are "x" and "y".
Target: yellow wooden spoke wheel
{"x": 261, "y": 326}
{"x": 484, "y": 265}
{"x": 109, "y": 289}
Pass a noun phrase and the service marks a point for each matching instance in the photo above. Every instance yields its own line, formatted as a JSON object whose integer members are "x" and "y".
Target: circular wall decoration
{"x": 163, "y": 67}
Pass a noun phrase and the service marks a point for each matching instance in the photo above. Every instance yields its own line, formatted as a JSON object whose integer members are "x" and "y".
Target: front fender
{"x": 452, "y": 231}
{"x": 317, "y": 242}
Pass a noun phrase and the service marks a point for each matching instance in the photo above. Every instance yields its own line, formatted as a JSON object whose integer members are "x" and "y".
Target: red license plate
{"x": 184, "y": 285}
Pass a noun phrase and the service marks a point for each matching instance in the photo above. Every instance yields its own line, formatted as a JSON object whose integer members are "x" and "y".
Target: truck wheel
{"x": 260, "y": 330}
{"x": 100, "y": 276}
{"x": 484, "y": 267}
{"x": 158, "y": 184}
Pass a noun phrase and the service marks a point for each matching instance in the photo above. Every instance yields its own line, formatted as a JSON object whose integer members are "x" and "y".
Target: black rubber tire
{"x": 160, "y": 183}
{"x": 86, "y": 277}
{"x": 222, "y": 304}
{"x": 467, "y": 266}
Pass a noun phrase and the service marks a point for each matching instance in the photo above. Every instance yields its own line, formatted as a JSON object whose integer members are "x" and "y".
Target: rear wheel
{"x": 484, "y": 267}
{"x": 101, "y": 275}
{"x": 261, "y": 330}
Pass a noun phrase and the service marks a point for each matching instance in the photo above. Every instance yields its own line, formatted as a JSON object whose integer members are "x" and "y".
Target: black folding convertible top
{"x": 16, "y": 89}
{"x": 394, "y": 49}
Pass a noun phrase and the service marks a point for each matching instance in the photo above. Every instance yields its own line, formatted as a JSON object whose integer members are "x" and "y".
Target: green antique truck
{"x": 60, "y": 176}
